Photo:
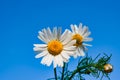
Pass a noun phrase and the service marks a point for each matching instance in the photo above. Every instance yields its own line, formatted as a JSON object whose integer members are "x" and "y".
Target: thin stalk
{"x": 63, "y": 71}
{"x": 55, "y": 73}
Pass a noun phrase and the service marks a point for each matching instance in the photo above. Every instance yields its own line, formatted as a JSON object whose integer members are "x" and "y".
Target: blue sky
{"x": 20, "y": 21}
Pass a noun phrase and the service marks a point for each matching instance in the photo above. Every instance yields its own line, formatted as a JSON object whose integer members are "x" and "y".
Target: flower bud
{"x": 108, "y": 68}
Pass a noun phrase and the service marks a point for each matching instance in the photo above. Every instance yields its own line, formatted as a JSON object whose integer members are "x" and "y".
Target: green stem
{"x": 55, "y": 73}
{"x": 78, "y": 70}
{"x": 63, "y": 70}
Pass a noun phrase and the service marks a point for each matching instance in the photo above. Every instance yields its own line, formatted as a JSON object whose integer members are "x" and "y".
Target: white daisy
{"x": 58, "y": 48}
{"x": 80, "y": 34}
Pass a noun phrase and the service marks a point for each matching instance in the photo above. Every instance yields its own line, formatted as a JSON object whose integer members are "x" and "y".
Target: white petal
{"x": 63, "y": 36}
{"x": 49, "y": 60}
{"x": 39, "y": 49}
{"x": 46, "y": 35}
{"x": 40, "y": 45}
{"x": 44, "y": 59}
{"x": 86, "y": 34}
{"x": 84, "y": 44}
{"x": 71, "y": 48}
{"x": 81, "y": 52}
{"x": 65, "y": 55}
{"x": 80, "y": 28}
{"x": 55, "y": 32}
{"x": 87, "y": 39}
{"x": 55, "y": 62}
{"x": 59, "y": 33}
{"x": 41, "y": 54}
{"x": 85, "y": 29}
{"x": 67, "y": 40}
{"x": 50, "y": 33}
{"x": 70, "y": 52}
{"x": 60, "y": 60}
{"x": 75, "y": 54}
{"x": 74, "y": 28}
{"x": 71, "y": 43}
{"x": 42, "y": 37}
{"x": 64, "y": 59}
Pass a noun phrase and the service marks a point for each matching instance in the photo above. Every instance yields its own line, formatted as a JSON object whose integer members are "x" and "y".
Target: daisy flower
{"x": 57, "y": 48}
{"x": 80, "y": 34}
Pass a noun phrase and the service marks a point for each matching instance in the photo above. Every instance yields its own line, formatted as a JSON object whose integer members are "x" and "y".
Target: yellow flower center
{"x": 55, "y": 47}
{"x": 78, "y": 39}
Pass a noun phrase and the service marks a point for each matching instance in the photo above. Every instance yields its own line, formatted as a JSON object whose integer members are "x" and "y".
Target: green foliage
{"x": 87, "y": 66}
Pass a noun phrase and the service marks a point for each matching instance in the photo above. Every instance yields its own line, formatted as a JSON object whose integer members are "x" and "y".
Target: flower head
{"x": 80, "y": 34}
{"x": 57, "y": 48}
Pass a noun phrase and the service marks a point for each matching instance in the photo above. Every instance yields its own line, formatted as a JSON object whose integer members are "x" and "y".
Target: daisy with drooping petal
{"x": 57, "y": 48}
{"x": 80, "y": 34}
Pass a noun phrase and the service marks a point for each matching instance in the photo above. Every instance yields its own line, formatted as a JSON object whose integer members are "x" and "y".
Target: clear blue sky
{"x": 20, "y": 21}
